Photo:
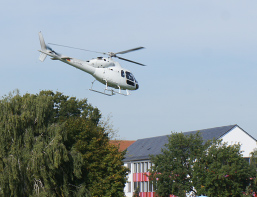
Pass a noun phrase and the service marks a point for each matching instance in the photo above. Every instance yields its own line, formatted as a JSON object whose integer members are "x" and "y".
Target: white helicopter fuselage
{"x": 104, "y": 70}
{"x": 112, "y": 72}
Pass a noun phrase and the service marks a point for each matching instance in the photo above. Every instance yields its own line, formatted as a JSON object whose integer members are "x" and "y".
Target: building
{"x": 138, "y": 161}
{"x": 122, "y": 144}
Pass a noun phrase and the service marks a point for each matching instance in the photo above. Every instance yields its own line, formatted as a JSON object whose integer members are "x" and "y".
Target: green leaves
{"x": 53, "y": 145}
{"x": 212, "y": 168}
{"x": 224, "y": 170}
{"x": 173, "y": 169}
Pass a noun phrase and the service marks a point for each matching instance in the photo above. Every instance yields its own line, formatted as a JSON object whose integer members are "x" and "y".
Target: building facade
{"x": 137, "y": 157}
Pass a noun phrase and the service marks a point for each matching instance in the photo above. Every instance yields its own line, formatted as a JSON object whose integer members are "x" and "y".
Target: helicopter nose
{"x": 137, "y": 86}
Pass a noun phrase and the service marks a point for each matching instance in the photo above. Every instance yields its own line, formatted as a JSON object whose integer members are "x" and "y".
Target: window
{"x": 146, "y": 186}
{"x": 143, "y": 186}
{"x": 150, "y": 165}
{"x": 130, "y": 83}
{"x": 146, "y": 166}
{"x": 135, "y": 168}
{"x": 138, "y": 167}
{"x": 130, "y": 76}
{"x": 122, "y": 73}
{"x": 143, "y": 167}
{"x": 150, "y": 187}
{"x": 137, "y": 185}
{"x": 129, "y": 187}
{"x": 129, "y": 167}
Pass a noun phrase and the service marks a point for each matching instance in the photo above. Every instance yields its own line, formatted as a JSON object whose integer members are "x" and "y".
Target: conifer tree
{"x": 54, "y": 145}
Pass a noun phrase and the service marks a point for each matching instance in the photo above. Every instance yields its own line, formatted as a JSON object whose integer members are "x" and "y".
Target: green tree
{"x": 173, "y": 169}
{"x": 136, "y": 192}
{"x": 103, "y": 169}
{"x": 253, "y": 158}
{"x": 222, "y": 171}
{"x": 253, "y": 163}
{"x": 213, "y": 168}
{"x": 55, "y": 145}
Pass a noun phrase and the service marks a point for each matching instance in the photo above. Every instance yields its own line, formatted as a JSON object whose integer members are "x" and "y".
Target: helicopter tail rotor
{"x": 45, "y": 49}
{"x": 42, "y": 56}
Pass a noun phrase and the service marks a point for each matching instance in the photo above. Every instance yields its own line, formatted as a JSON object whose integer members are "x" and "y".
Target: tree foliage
{"x": 54, "y": 145}
{"x": 253, "y": 163}
{"x": 136, "y": 192}
{"x": 222, "y": 171}
{"x": 173, "y": 169}
{"x": 189, "y": 165}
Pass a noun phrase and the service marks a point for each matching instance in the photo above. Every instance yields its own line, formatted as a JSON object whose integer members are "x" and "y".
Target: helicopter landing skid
{"x": 112, "y": 92}
{"x": 127, "y": 92}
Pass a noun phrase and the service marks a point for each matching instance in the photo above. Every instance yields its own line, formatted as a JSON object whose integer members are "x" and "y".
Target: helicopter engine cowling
{"x": 101, "y": 62}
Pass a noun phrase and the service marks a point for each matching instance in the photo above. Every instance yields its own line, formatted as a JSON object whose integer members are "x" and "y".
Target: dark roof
{"x": 142, "y": 148}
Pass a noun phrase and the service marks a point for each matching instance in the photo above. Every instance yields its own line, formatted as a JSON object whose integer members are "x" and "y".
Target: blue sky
{"x": 200, "y": 55}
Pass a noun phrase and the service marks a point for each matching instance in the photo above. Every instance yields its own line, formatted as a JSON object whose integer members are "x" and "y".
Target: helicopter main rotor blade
{"x": 130, "y": 61}
{"x": 77, "y": 48}
{"x": 110, "y": 54}
{"x": 130, "y": 50}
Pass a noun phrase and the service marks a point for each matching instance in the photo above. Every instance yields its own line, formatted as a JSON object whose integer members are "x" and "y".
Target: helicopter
{"x": 105, "y": 70}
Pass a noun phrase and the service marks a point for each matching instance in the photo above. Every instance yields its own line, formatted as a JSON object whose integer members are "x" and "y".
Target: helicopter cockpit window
{"x": 130, "y": 76}
{"x": 122, "y": 73}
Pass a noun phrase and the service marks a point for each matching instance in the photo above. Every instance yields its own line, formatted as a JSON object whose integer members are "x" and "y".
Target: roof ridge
{"x": 187, "y": 132}
{"x": 247, "y": 133}
{"x": 232, "y": 126}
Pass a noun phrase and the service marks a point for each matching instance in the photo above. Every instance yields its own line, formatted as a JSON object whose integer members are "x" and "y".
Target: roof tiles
{"x": 142, "y": 148}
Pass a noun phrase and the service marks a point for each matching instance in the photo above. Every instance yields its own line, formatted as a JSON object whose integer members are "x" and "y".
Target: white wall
{"x": 129, "y": 179}
{"x": 237, "y": 135}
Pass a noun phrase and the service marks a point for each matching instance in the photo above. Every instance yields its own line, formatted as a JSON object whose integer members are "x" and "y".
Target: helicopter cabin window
{"x": 122, "y": 73}
{"x": 130, "y": 83}
{"x": 129, "y": 76}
